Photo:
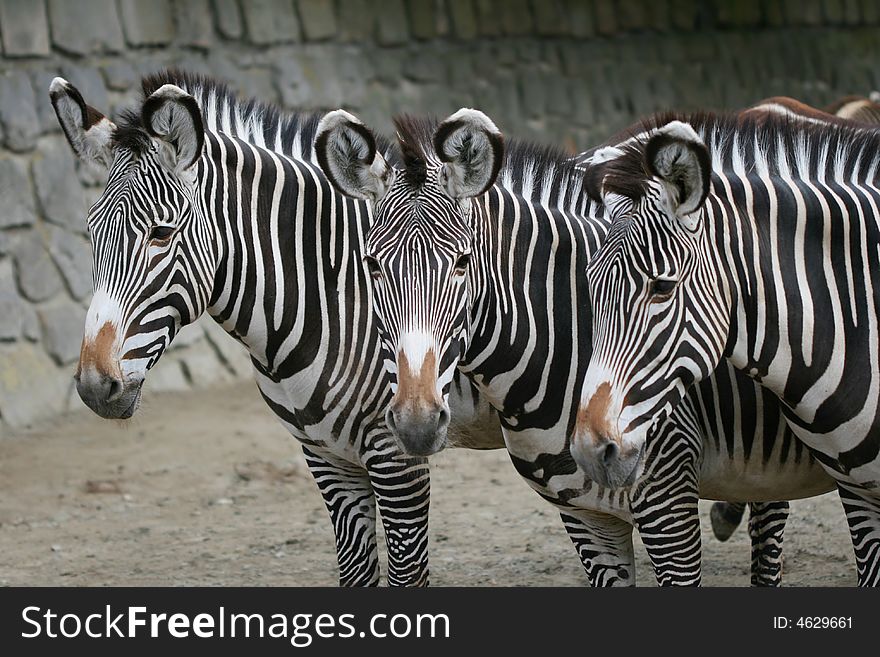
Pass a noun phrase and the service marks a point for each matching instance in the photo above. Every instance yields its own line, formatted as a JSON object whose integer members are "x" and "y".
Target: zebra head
{"x": 418, "y": 250}
{"x": 654, "y": 333}
{"x": 141, "y": 229}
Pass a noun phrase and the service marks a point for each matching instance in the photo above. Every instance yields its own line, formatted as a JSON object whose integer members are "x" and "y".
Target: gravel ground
{"x": 207, "y": 489}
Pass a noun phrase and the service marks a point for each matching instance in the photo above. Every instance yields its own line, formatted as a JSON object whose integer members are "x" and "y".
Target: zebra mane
{"x": 540, "y": 173}
{"x": 767, "y": 143}
{"x": 257, "y": 122}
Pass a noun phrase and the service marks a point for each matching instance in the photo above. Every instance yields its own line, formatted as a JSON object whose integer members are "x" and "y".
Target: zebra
{"x": 478, "y": 265}
{"x": 755, "y": 242}
{"x": 726, "y": 516}
{"x": 214, "y": 204}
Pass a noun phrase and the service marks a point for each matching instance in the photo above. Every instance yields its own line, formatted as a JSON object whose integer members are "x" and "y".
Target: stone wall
{"x": 569, "y": 71}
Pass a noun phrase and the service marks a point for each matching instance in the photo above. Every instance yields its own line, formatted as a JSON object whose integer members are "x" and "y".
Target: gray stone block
{"x": 580, "y": 18}
{"x": 870, "y": 12}
{"x": 307, "y": 80}
{"x": 18, "y": 110}
{"x": 31, "y": 385}
{"x": 487, "y": 17}
{"x": 120, "y": 75}
{"x": 193, "y": 24}
{"x": 606, "y": 17}
{"x": 635, "y": 15}
{"x": 423, "y": 18}
{"x": 516, "y": 17}
{"x": 24, "y": 28}
{"x": 72, "y": 255}
{"x": 147, "y": 22}
{"x": 271, "y": 21}
{"x": 85, "y": 26}
{"x": 15, "y": 190}
{"x": 357, "y": 20}
{"x": 425, "y": 64}
{"x": 228, "y": 17}
{"x": 38, "y": 278}
{"x": 464, "y": 18}
{"x": 11, "y": 304}
{"x": 393, "y": 27}
{"x": 684, "y": 13}
{"x": 317, "y": 18}
{"x": 387, "y": 66}
{"x": 58, "y": 188}
{"x": 550, "y": 17}
{"x": 62, "y": 325}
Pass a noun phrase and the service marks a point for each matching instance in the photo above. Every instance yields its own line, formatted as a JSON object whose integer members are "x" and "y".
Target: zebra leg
{"x": 402, "y": 487}
{"x": 725, "y": 517}
{"x": 863, "y": 516}
{"x": 766, "y": 526}
{"x": 668, "y": 520}
{"x": 604, "y": 545}
{"x": 349, "y": 498}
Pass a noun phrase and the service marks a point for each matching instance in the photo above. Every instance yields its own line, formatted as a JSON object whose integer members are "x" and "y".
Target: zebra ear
{"x": 89, "y": 132}
{"x": 471, "y": 149}
{"x": 680, "y": 160}
{"x": 346, "y": 151}
{"x": 173, "y": 118}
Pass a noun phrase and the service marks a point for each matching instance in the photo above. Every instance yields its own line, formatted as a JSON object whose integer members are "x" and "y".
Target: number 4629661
{"x": 824, "y": 622}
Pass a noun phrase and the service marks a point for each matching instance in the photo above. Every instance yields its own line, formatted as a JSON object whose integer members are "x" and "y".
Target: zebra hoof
{"x": 725, "y": 519}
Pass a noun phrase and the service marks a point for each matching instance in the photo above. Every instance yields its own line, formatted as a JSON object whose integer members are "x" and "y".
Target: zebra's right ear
{"x": 89, "y": 133}
{"x": 346, "y": 151}
{"x": 679, "y": 159}
{"x": 471, "y": 148}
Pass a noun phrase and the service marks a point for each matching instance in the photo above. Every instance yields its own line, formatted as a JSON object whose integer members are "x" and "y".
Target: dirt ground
{"x": 207, "y": 489}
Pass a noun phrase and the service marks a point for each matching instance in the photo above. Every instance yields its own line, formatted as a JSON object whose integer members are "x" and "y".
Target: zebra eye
{"x": 662, "y": 287}
{"x": 462, "y": 263}
{"x": 161, "y": 233}
{"x": 373, "y": 266}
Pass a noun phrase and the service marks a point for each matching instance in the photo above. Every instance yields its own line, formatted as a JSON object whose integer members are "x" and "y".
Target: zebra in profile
{"x": 753, "y": 241}
{"x": 487, "y": 277}
{"x": 726, "y": 516}
{"x": 213, "y": 204}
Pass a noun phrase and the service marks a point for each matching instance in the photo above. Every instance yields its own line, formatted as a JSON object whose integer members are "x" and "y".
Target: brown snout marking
{"x": 419, "y": 390}
{"x": 594, "y": 416}
{"x": 98, "y": 353}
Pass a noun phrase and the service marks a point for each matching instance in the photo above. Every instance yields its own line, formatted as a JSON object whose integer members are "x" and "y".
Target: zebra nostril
{"x": 114, "y": 389}
{"x": 609, "y": 453}
{"x": 442, "y": 419}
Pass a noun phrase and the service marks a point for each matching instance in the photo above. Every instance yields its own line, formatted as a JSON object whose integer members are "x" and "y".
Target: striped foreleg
{"x": 604, "y": 545}
{"x": 349, "y": 498}
{"x": 402, "y": 487}
{"x": 665, "y": 512}
{"x": 863, "y": 516}
{"x": 766, "y": 528}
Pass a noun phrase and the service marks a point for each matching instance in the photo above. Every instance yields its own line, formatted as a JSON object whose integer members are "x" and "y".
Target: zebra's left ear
{"x": 677, "y": 157}
{"x": 347, "y": 153}
{"x": 471, "y": 149}
{"x": 174, "y": 119}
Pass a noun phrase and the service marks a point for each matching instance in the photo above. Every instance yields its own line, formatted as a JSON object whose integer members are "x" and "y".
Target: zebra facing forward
{"x": 754, "y": 241}
{"x": 213, "y": 205}
{"x": 487, "y": 277}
